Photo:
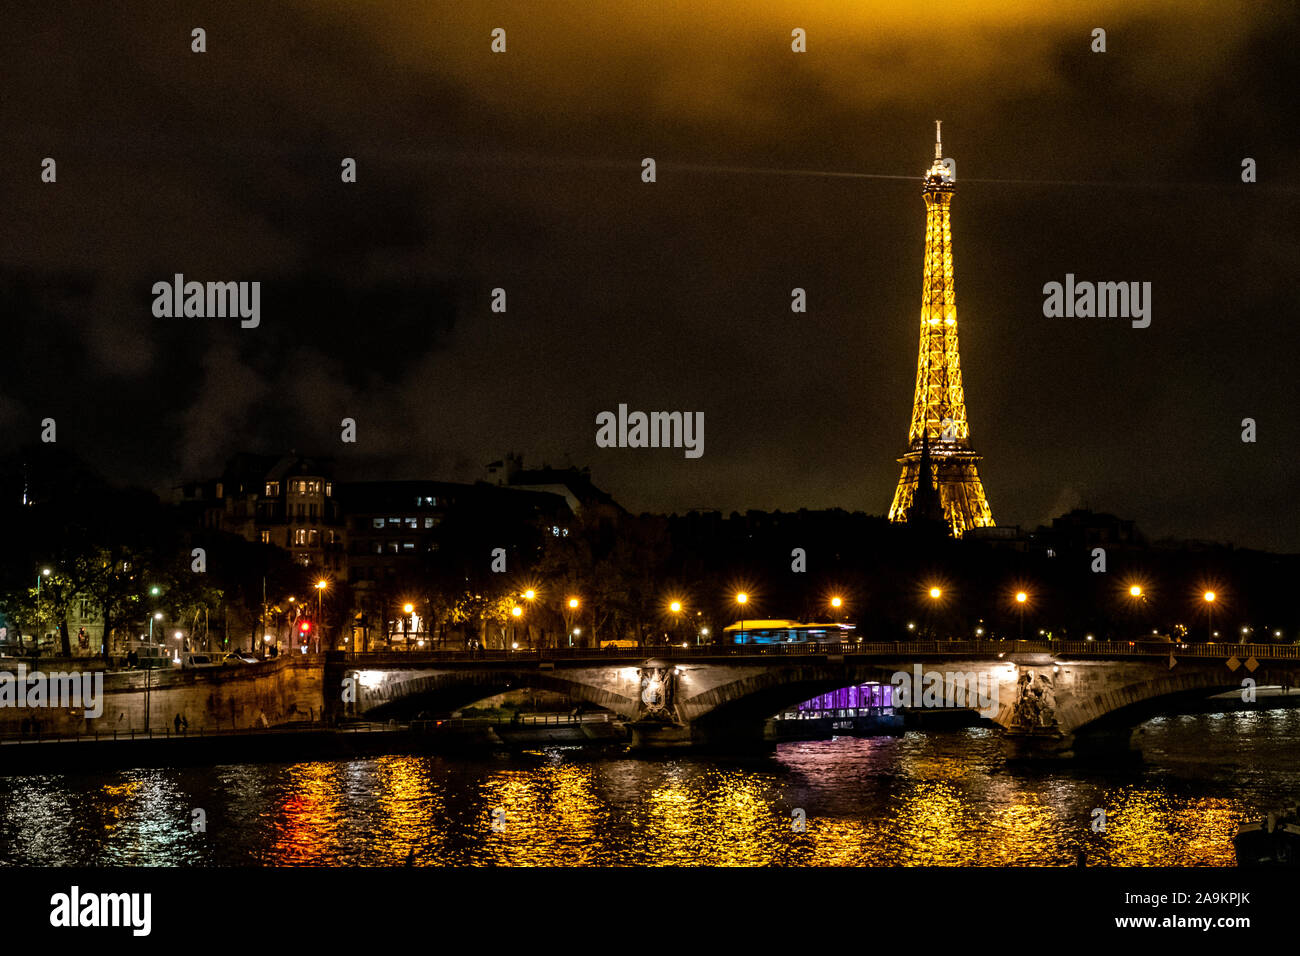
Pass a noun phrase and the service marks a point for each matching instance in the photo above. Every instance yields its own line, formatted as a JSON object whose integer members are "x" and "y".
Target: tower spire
{"x": 939, "y": 432}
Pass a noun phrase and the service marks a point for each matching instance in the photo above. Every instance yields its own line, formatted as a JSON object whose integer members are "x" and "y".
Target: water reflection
{"x": 949, "y": 799}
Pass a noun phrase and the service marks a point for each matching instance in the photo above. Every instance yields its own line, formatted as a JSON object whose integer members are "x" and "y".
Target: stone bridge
{"x": 674, "y": 696}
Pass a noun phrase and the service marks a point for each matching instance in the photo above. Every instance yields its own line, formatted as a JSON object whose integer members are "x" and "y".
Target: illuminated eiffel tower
{"x": 939, "y": 434}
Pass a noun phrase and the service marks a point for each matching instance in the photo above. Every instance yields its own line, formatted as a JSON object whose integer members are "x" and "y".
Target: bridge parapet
{"x": 991, "y": 649}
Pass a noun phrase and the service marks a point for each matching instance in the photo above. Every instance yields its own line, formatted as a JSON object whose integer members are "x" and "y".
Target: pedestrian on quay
{"x": 185, "y": 724}
{"x": 176, "y": 721}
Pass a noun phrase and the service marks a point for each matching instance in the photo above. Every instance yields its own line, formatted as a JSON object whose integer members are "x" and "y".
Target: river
{"x": 946, "y": 798}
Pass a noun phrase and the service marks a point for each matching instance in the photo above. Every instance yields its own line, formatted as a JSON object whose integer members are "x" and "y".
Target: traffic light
{"x": 305, "y": 627}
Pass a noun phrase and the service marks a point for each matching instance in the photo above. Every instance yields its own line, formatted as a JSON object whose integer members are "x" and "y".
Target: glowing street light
{"x": 320, "y": 597}
{"x": 516, "y": 611}
{"x": 569, "y": 617}
{"x": 936, "y": 593}
{"x": 1209, "y": 597}
{"x": 742, "y": 599}
{"x": 1022, "y": 598}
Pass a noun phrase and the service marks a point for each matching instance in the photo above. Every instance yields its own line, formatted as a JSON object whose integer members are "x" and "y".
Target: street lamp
{"x": 935, "y": 594}
{"x": 1021, "y": 600}
{"x": 675, "y": 608}
{"x": 573, "y": 604}
{"x": 742, "y": 599}
{"x": 1210, "y": 597}
{"x": 320, "y": 586}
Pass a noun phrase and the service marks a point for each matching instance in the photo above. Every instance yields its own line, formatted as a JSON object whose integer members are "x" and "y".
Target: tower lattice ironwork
{"x": 940, "y": 432}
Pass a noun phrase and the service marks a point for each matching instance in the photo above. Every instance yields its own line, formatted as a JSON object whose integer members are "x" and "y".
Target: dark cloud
{"x": 521, "y": 172}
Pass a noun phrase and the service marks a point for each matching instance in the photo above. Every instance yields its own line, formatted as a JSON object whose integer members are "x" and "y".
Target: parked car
{"x": 237, "y": 657}
{"x": 190, "y": 661}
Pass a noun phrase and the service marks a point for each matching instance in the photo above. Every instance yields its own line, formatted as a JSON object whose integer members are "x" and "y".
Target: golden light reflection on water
{"x": 306, "y": 816}
{"x": 916, "y": 800}
{"x": 550, "y": 817}
{"x": 1147, "y": 828}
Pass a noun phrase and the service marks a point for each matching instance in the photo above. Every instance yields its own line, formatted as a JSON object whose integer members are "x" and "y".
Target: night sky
{"x": 522, "y": 170}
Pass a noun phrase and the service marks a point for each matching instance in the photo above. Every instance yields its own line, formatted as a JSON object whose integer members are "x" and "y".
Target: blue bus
{"x": 786, "y": 632}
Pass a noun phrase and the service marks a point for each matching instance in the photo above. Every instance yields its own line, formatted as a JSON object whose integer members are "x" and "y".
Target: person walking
{"x": 177, "y": 723}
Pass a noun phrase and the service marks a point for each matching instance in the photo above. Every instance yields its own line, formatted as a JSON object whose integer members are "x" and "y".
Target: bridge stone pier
{"x": 1048, "y": 694}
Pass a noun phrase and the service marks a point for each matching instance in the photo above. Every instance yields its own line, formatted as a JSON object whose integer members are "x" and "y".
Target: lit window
{"x": 329, "y": 489}
{"x": 377, "y": 522}
{"x": 428, "y": 522}
{"x": 408, "y": 545}
{"x": 300, "y": 536}
{"x": 266, "y": 537}
{"x": 412, "y": 522}
{"x": 313, "y": 538}
{"x": 272, "y": 489}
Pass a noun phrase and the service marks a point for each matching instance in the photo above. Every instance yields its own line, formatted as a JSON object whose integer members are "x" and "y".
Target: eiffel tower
{"x": 939, "y": 436}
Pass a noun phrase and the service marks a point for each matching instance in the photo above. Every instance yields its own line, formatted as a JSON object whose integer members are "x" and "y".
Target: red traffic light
{"x": 305, "y": 627}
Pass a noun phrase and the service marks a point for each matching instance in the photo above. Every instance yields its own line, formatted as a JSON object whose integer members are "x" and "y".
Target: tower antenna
{"x": 938, "y": 141}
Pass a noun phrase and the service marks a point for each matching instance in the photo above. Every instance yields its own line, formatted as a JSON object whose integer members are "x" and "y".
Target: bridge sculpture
{"x": 1059, "y": 691}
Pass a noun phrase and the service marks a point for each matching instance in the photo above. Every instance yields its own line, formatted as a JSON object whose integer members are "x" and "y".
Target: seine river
{"x": 946, "y": 798}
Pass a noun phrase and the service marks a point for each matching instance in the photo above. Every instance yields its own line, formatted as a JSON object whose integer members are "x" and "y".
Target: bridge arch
{"x": 754, "y": 697}
{"x": 1133, "y": 703}
{"x": 405, "y": 694}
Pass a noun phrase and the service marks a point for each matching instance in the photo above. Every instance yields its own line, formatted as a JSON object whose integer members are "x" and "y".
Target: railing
{"x": 534, "y": 720}
{"x": 359, "y": 727}
{"x": 866, "y": 648}
{"x": 166, "y": 733}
